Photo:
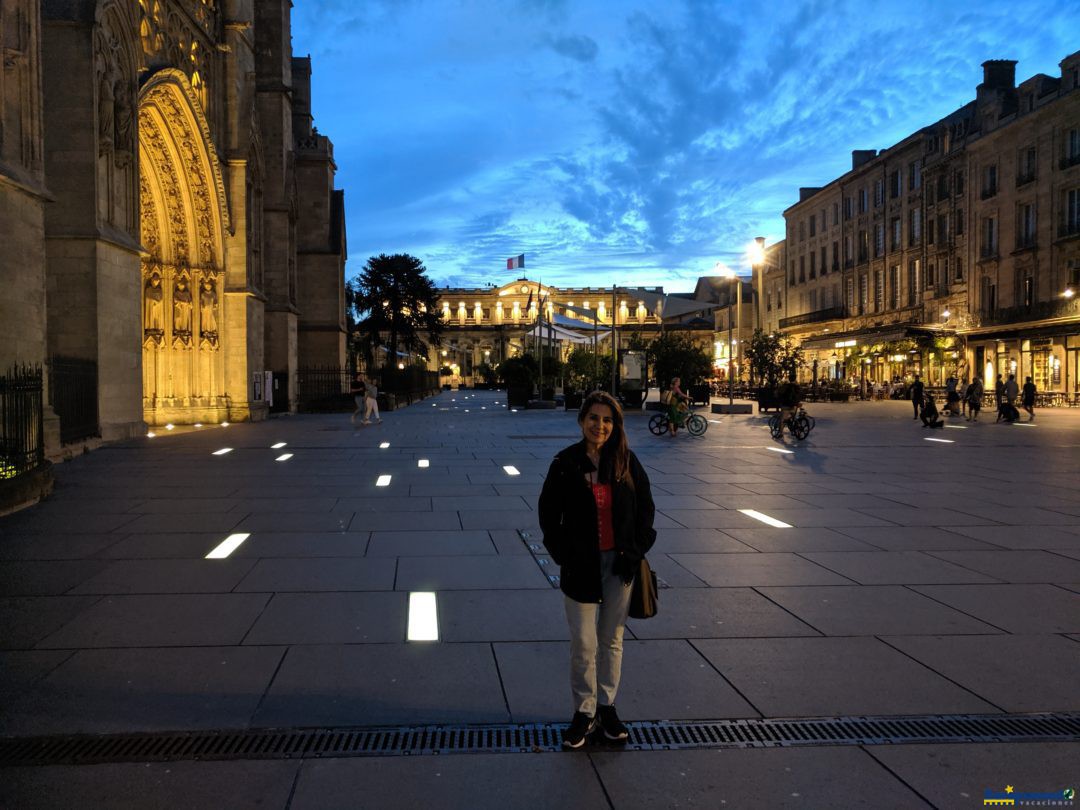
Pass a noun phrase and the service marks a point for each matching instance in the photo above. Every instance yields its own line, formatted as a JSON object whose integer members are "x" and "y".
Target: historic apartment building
{"x": 955, "y": 250}
{"x": 167, "y": 208}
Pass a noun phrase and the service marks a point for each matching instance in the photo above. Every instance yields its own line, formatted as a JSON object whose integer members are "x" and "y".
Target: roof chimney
{"x": 999, "y": 74}
{"x": 861, "y": 156}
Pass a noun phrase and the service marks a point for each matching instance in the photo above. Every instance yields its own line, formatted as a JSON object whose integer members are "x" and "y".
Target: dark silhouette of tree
{"x": 396, "y": 306}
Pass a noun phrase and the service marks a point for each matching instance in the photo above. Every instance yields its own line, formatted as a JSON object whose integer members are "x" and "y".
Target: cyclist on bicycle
{"x": 790, "y": 396}
{"x": 678, "y": 405}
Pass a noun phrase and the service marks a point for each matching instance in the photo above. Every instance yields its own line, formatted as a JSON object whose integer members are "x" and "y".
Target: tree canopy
{"x": 675, "y": 355}
{"x": 773, "y": 357}
{"x": 395, "y": 305}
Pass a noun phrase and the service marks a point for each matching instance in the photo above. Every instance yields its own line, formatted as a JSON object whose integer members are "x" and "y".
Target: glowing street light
{"x": 724, "y": 271}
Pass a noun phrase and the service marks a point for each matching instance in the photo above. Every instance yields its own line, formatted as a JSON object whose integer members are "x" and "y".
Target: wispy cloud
{"x": 630, "y": 142}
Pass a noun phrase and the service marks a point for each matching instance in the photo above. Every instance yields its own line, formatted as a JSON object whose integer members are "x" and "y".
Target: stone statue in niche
{"x": 153, "y": 306}
{"x": 208, "y": 324}
{"x": 182, "y": 310}
{"x": 106, "y": 108}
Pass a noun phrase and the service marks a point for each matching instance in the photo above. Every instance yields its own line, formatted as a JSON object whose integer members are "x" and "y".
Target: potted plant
{"x": 519, "y": 376}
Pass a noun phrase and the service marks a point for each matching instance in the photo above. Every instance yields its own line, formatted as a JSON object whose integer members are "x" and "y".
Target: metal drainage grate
{"x": 533, "y": 738}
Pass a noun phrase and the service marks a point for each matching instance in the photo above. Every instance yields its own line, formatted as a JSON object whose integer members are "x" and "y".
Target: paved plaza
{"x": 916, "y": 577}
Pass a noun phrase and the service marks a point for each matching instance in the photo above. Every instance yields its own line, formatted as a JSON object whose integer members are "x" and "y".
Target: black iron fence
{"x": 73, "y": 395}
{"x": 324, "y": 388}
{"x": 22, "y": 444}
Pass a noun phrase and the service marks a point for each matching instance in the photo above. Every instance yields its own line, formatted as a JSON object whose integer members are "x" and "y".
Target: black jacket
{"x": 568, "y": 520}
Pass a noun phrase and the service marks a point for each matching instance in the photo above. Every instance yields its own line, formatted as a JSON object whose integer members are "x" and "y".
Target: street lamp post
{"x": 726, "y": 272}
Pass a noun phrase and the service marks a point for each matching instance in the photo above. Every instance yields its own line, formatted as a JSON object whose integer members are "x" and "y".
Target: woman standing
{"x": 1027, "y": 398}
{"x": 596, "y": 512}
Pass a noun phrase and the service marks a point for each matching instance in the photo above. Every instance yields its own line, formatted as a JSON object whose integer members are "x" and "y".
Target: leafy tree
{"x": 773, "y": 358}
{"x": 674, "y": 354}
{"x": 519, "y": 372}
{"x": 395, "y": 305}
{"x": 582, "y": 368}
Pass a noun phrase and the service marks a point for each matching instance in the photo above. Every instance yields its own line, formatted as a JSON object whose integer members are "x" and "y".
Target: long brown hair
{"x": 615, "y": 450}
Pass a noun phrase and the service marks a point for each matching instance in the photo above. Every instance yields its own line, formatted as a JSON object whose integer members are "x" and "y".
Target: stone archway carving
{"x": 183, "y": 219}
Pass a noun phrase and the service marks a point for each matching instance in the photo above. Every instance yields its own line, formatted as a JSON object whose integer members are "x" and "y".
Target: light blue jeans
{"x": 596, "y": 640}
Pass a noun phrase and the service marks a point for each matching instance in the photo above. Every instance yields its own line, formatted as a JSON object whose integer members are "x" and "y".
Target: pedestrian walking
{"x": 358, "y": 397}
{"x": 596, "y": 513}
{"x": 1012, "y": 390}
{"x": 1027, "y": 399}
{"x": 917, "y": 389}
{"x": 999, "y": 393}
{"x": 974, "y": 399}
{"x": 965, "y": 399}
{"x": 371, "y": 403}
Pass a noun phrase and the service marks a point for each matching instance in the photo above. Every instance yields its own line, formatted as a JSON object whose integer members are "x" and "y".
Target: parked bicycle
{"x": 695, "y": 423}
{"x": 799, "y": 423}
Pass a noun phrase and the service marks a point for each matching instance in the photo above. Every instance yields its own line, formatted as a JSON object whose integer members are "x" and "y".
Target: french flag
{"x": 516, "y": 262}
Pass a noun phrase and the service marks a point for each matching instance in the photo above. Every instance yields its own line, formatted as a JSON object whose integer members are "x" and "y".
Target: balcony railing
{"x": 1038, "y": 311}
{"x": 818, "y": 316}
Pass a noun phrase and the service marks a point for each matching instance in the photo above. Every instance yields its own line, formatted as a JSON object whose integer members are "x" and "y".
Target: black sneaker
{"x": 610, "y": 723}
{"x": 580, "y": 727}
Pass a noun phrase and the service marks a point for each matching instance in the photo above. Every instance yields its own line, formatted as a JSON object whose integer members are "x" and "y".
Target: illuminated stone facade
{"x": 192, "y": 239}
{"x": 960, "y": 242}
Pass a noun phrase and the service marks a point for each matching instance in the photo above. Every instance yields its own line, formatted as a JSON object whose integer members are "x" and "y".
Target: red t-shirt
{"x": 604, "y": 528}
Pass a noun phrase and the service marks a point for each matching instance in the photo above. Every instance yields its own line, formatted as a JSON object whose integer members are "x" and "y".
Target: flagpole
{"x": 614, "y": 341}
{"x": 540, "y": 333}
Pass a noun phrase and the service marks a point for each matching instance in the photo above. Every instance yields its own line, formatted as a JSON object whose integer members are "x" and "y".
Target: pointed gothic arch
{"x": 183, "y": 220}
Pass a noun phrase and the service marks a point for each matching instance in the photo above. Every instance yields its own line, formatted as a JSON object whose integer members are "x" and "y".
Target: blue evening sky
{"x": 632, "y": 142}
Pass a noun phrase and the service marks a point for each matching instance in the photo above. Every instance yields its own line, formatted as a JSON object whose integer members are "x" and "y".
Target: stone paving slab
{"x": 166, "y": 576}
{"x": 29, "y": 619}
{"x": 324, "y": 574}
{"x": 1016, "y": 566}
{"x": 806, "y": 539}
{"x": 872, "y": 611}
{"x": 1031, "y": 609}
{"x": 163, "y": 620}
{"x": 331, "y": 618}
{"x": 719, "y": 613}
{"x": 909, "y": 538}
{"x": 540, "y": 781}
{"x": 894, "y": 567}
{"x": 753, "y": 778}
{"x": 1021, "y": 537}
{"x": 59, "y": 546}
{"x": 103, "y": 691}
{"x": 239, "y": 785}
{"x": 991, "y": 666}
{"x": 829, "y": 677}
{"x": 384, "y": 684}
{"x": 41, "y": 578}
{"x": 492, "y": 615}
{"x": 742, "y": 570}
{"x": 955, "y": 777}
{"x": 423, "y": 544}
{"x": 468, "y": 573}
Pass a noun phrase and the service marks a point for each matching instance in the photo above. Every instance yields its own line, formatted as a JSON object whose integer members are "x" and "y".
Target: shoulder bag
{"x": 643, "y": 596}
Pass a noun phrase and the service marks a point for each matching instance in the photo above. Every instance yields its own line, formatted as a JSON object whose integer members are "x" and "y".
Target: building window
{"x": 914, "y": 227}
{"x": 824, "y": 266}
{"x": 912, "y": 281}
{"x": 894, "y": 287}
{"x": 849, "y": 295}
{"x": 958, "y": 182}
{"x": 1072, "y": 212}
{"x": 959, "y": 221}
{"x": 848, "y": 255}
{"x": 813, "y": 301}
{"x": 989, "y": 181}
{"x": 849, "y": 204}
{"x": 914, "y": 176}
{"x": 989, "y": 297}
{"x": 836, "y": 213}
{"x": 864, "y": 201}
{"x": 895, "y": 241}
{"x": 813, "y": 224}
{"x": 813, "y": 264}
{"x": 1072, "y": 148}
{"x": 930, "y": 231}
{"x": 864, "y": 294}
{"x": 1025, "y": 226}
{"x": 988, "y": 247}
{"x": 802, "y": 269}
{"x": 879, "y": 239}
{"x": 835, "y": 256}
{"x": 802, "y": 230}
{"x": 943, "y": 228}
{"x": 1025, "y": 166}
{"x": 942, "y": 187}
{"x": 896, "y": 186}
{"x": 792, "y": 279}
{"x": 879, "y": 192}
{"x": 958, "y": 273}
{"x": 931, "y": 276}
{"x": 864, "y": 246}
{"x": 768, "y": 301}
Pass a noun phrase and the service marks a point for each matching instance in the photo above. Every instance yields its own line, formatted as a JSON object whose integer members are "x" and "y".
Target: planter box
{"x": 518, "y": 397}
{"x": 699, "y": 394}
{"x": 838, "y": 396}
{"x": 632, "y": 399}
